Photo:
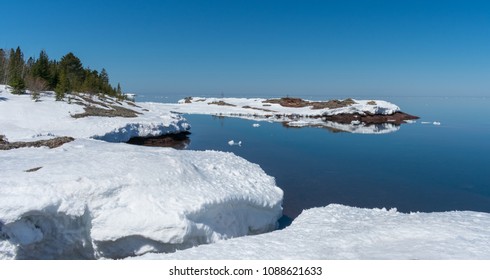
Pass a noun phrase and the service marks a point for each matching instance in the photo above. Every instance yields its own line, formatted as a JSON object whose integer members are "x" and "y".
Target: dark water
{"x": 421, "y": 167}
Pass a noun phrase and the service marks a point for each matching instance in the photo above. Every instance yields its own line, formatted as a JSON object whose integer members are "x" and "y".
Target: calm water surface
{"x": 421, "y": 167}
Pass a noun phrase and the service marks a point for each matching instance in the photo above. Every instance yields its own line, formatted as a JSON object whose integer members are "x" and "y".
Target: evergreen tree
{"x": 62, "y": 87}
{"x": 73, "y": 69}
{"x": 119, "y": 91}
{"x": 41, "y": 67}
{"x": 18, "y": 85}
{"x": 3, "y": 67}
{"x": 15, "y": 71}
{"x": 53, "y": 74}
{"x": 104, "y": 77}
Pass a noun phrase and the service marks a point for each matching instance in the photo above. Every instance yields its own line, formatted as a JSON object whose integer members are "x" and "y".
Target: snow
{"x": 94, "y": 199}
{"x": 201, "y": 105}
{"x": 255, "y": 109}
{"x": 256, "y": 125}
{"x": 342, "y": 232}
{"x": 54, "y": 118}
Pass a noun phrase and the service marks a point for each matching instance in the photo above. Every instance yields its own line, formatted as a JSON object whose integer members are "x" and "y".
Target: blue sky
{"x": 351, "y": 48}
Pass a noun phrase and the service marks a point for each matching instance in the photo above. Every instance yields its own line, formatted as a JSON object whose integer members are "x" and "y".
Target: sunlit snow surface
{"x": 341, "y": 232}
{"x": 22, "y": 119}
{"x": 94, "y": 199}
{"x": 255, "y": 109}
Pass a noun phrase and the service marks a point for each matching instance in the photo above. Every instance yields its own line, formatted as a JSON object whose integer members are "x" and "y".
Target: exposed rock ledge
{"x": 50, "y": 143}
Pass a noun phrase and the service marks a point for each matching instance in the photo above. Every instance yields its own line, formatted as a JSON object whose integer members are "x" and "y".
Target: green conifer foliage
{"x": 15, "y": 70}
{"x": 62, "y": 87}
{"x": 3, "y": 67}
{"x": 41, "y": 67}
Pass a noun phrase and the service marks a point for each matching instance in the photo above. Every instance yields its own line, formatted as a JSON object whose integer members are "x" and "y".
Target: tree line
{"x": 41, "y": 74}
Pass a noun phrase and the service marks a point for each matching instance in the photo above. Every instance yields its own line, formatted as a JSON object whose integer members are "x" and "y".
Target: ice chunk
{"x": 233, "y": 143}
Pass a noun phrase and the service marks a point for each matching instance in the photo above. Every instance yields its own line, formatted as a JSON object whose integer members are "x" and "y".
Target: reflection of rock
{"x": 396, "y": 118}
{"x": 177, "y": 141}
{"x": 354, "y": 127}
{"x": 355, "y": 123}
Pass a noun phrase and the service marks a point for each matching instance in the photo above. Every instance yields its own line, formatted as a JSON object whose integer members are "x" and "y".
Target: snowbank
{"x": 93, "y": 199}
{"x": 22, "y": 119}
{"x": 341, "y": 232}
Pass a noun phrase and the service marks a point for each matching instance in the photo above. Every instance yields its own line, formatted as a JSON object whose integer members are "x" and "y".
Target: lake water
{"x": 421, "y": 167}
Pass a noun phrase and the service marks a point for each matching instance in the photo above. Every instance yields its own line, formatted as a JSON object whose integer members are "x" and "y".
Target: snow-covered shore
{"x": 92, "y": 199}
{"x": 349, "y": 115}
{"x": 95, "y": 199}
{"x": 22, "y": 119}
{"x": 341, "y": 232}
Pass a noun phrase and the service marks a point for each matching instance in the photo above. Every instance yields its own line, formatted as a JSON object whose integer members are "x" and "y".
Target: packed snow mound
{"x": 92, "y": 199}
{"x": 22, "y": 119}
{"x": 342, "y": 232}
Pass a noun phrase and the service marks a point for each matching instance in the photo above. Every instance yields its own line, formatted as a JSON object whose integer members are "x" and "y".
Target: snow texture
{"x": 255, "y": 109}
{"x": 93, "y": 199}
{"x": 22, "y": 119}
{"x": 342, "y": 232}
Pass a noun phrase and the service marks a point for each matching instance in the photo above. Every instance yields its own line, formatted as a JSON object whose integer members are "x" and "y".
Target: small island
{"x": 347, "y": 115}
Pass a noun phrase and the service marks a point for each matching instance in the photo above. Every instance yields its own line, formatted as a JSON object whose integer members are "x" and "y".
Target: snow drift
{"x": 342, "y": 232}
{"x": 92, "y": 199}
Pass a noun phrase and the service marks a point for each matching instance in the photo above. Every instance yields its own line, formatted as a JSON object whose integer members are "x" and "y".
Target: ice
{"x": 256, "y": 125}
{"x": 342, "y": 232}
{"x": 233, "y": 143}
{"x": 436, "y": 123}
